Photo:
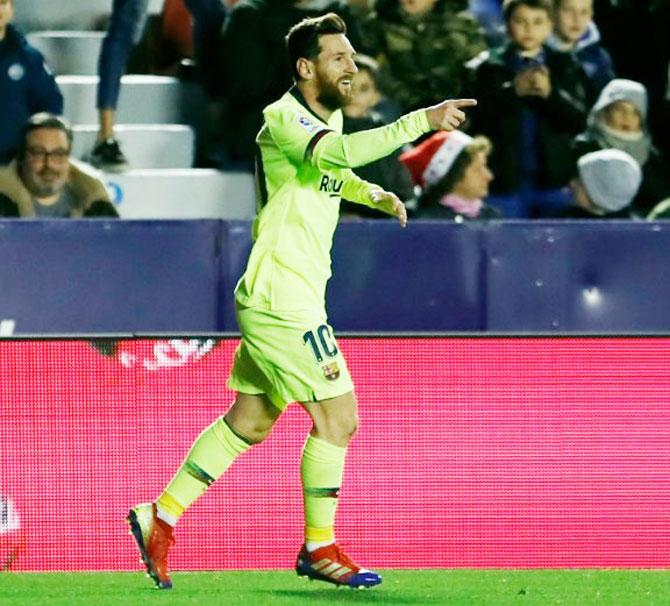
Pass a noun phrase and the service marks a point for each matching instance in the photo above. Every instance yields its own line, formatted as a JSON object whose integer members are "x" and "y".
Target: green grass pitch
{"x": 401, "y": 587}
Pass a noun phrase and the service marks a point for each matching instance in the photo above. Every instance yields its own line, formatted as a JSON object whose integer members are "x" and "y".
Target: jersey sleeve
{"x": 356, "y": 189}
{"x": 333, "y": 150}
{"x": 303, "y": 138}
{"x": 295, "y": 132}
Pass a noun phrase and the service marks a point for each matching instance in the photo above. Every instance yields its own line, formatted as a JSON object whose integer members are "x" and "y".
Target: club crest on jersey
{"x": 330, "y": 185}
{"x": 307, "y": 124}
{"x": 331, "y": 371}
{"x": 16, "y": 71}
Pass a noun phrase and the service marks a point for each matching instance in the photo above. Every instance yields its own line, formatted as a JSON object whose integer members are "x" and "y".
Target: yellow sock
{"x": 321, "y": 469}
{"x": 211, "y": 454}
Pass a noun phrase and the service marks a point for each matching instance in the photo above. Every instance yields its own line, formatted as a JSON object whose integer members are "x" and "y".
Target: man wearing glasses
{"x": 43, "y": 182}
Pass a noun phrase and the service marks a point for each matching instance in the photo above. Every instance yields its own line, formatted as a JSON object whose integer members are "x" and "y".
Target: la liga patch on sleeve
{"x": 307, "y": 124}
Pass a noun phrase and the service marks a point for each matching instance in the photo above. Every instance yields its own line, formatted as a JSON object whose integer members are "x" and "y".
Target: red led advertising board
{"x": 472, "y": 452}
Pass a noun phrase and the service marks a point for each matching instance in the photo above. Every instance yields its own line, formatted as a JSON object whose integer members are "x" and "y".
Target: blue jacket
{"x": 26, "y": 87}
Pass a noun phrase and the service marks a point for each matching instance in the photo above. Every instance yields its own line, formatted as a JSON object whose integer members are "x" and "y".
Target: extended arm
{"x": 302, "y": 139}
{"x": 333, "y": 150}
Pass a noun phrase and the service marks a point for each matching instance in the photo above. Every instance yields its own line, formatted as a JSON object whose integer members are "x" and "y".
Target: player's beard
{"x": 330, "y": 95}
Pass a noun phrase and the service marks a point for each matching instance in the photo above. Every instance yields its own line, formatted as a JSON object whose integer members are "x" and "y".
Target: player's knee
{"x": 351, "y": 427}
{"x": 252, "y": 431}
{"x": 255, "y": 433}
{"x": 339, "y": 431}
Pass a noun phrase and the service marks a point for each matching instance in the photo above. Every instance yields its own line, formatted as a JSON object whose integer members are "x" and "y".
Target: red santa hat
{"x": 431, "y": 159}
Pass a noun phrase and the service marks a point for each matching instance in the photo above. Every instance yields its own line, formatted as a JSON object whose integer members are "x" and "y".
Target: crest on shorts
{"x": 331, "y": 371}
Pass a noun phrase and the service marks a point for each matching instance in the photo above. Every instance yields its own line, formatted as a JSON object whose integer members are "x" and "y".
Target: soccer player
{"x": 288, "y": 352}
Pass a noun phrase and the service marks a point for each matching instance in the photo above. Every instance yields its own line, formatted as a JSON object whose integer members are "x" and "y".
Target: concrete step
{"x": 144, "y": 145}
{"x": 144, "y": 99}
{"x": 69, "y": 52}
{"x": 183, "y": 194}
{"x": 36, "y": 15}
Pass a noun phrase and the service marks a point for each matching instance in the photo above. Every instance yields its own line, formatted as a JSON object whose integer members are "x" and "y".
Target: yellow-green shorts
{"x": 289, "y": 356}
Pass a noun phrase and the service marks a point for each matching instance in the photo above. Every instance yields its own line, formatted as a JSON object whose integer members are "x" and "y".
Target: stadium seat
{"x": 144, "y": 99}
{"x": 36, "y": 15}
{"x": 145, "y": 145}
{"x": 183, "y": 194}
{"x": 69, "y": 52}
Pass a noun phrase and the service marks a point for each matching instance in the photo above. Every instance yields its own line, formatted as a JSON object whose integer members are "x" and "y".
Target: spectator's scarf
{"x": 637, "y": 144}
{"x": 461, "y": 206}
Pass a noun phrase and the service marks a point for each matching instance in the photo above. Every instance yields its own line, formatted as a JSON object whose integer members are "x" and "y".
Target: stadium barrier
{"x": 178, "y": 276}
{"x": 472, "y": 452}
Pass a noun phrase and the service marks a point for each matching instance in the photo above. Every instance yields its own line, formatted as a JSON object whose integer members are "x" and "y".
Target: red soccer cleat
{"x": 154, "y": 539}
{"x": 332, "y": 565}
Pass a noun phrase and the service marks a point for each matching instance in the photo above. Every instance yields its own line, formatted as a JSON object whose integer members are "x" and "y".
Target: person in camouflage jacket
{"x": 422, "y": 52}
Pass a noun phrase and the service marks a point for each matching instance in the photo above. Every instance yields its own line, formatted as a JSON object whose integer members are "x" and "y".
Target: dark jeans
{"x": 125, "y": 31}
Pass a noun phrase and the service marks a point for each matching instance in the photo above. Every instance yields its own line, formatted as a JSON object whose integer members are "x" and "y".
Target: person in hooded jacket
{"x": 605, "y": 185}
{"x": 618, "y": 120}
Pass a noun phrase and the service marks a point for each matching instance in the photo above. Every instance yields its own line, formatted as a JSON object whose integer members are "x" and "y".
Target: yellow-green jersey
{"x": 303, "y": 169}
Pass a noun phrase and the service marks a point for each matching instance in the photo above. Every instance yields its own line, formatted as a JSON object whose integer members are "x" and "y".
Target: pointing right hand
{"x": 448, "y": 114}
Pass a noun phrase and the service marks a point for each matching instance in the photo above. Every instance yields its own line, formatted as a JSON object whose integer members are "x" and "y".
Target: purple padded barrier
{"x": 426, "y": 277}
{"x": 109, "y": 276}
{"x": 236, "y": 244}
{"x": 422, "y": 278}
{"x": 178, "y": 276}
{"x": 586, "y": 276}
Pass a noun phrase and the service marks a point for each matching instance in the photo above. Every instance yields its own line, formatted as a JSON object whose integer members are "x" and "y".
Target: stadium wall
{"x": 178, "y": 276}
{"x": 472, "y": 452}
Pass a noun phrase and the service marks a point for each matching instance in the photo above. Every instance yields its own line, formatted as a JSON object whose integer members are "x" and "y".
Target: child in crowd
{"x": 368, "y": 108}
{"x": 575, "y": 32}
{"x": 452, "y": 171}
{"x": 606, "y": 184}
{"x": 366, "y": 98}
{"x": 531, "y": 104}
{"x": 618, "y": 120}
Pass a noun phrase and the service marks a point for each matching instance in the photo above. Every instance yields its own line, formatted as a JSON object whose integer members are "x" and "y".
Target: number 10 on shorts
{"x": 322, "y": 343}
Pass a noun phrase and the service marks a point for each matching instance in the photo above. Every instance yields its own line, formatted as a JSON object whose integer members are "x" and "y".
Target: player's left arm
{"x": 360, "y": 191}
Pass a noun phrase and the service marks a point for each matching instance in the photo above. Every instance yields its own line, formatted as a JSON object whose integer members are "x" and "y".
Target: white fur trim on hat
{"x": 445, "y": 156}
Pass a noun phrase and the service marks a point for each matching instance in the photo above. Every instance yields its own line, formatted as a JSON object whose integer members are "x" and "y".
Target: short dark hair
{"x": 302, "y": 39}
{"x": 509, "y": 6}
{"x": 44, "y": 120}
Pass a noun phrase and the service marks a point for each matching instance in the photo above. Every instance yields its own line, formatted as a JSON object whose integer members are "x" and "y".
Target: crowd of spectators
{"x": 556, "y": 81}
